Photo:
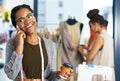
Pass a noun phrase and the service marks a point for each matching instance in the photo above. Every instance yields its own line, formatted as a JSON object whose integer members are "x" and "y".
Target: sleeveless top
{"x": 74, "y": 33}
{"x": 105, "y": 56}
{"x": 32, "y": 60}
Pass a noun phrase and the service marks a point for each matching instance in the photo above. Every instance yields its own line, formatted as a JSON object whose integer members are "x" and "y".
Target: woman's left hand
{"x": 68, "y": 75}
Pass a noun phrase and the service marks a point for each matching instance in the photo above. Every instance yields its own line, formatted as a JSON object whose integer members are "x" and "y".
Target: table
{"x": 85, "y": 73}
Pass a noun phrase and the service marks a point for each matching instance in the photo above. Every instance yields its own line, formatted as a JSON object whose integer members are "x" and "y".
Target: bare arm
{"x": 95, "y": 48}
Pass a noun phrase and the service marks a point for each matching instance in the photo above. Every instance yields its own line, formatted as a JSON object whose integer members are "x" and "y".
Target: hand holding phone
{"x": 20, "y": 36}
{"x": 19, "y": 30}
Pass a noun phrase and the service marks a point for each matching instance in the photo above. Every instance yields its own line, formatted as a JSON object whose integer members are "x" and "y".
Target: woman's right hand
{"x": 20, "y": 36}
{"x": 80, "y": 48}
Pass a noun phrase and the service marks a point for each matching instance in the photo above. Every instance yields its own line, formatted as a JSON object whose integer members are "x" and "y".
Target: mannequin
{"x": 71, "y": 21}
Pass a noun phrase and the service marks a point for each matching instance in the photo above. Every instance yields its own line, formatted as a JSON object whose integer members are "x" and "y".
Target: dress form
{"x": 71, "y": 21}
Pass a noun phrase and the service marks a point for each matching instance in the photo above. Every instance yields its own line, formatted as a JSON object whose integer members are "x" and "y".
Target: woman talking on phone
{"x": 28, "y": 56}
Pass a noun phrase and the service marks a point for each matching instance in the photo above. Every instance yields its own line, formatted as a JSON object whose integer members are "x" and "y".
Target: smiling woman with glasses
{"x": 29, "y": 56}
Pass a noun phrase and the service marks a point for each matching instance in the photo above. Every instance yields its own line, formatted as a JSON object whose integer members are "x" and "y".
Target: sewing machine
{"x": 85, "y": 72}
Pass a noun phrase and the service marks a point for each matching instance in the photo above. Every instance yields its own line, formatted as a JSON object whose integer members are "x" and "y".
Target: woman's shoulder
{"x": 48, "y": 41}
{"x": 12, "y": 40}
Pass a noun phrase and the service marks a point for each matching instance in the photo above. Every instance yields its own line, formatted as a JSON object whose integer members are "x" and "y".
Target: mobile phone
{"x": 17, "y": 27}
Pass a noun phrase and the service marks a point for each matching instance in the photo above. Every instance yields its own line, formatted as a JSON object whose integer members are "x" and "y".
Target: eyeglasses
{"x": 22, "y": 19}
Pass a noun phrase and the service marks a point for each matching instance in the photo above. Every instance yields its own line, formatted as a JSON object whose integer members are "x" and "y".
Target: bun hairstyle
{"x": 94, "y": 16}
{"x": 92, "y": 13}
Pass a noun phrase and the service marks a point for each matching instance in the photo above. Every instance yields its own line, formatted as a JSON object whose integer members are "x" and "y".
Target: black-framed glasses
{"x": 22, "y": 19}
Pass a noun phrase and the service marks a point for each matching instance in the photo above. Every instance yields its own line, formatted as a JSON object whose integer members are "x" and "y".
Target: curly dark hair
{"x": 14, "y": 11}
{"x": 94, "y": 16}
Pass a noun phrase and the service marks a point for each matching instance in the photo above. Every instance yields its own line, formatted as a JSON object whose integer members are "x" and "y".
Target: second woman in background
{"x": 100, "y": 51}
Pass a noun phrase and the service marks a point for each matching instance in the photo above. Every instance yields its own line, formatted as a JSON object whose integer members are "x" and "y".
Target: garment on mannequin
{"x": 71, "y": 21}
{"x": 70, "y": 38}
